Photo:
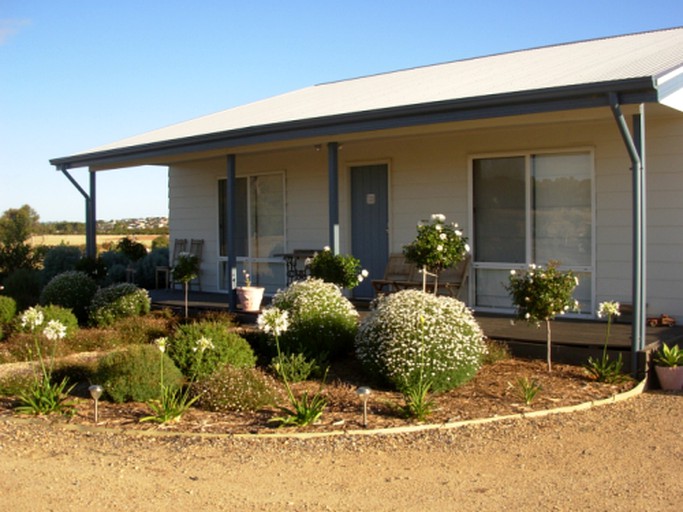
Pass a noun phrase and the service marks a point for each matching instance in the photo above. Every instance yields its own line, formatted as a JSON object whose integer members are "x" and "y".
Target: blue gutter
{"x": 635, "y": 145}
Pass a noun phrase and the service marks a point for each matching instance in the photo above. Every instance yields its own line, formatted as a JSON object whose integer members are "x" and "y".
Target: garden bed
{"x": 493, "y": 392}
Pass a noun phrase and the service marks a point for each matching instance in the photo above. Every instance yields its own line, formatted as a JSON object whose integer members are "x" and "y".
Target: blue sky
{"x": 76, "y": 74}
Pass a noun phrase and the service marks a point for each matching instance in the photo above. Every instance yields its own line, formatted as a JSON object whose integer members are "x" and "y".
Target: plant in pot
{"x": 669, "y": 367}
{"x": 250, "y": 297}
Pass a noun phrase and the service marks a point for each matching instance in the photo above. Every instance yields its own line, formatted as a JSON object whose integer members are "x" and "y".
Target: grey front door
{"x": 369, "y": 222}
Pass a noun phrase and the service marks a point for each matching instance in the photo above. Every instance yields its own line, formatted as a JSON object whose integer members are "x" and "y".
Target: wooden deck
{"x": 573, "y": 340}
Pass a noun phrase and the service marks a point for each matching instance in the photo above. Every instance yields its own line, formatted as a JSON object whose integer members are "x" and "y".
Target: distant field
{"x": 79, "y": 240}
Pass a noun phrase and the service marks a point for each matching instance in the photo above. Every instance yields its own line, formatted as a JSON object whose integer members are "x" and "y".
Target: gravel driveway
{"x": 623, "y": 456}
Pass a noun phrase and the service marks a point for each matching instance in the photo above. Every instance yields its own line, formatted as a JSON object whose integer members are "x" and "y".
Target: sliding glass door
{"x": 531, "y": 208}
{"x": 259, "y": 230}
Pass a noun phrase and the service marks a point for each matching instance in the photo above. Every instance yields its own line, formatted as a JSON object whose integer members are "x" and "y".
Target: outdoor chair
{"x": 397, "y": 270}
{"x": 179, "y": 245}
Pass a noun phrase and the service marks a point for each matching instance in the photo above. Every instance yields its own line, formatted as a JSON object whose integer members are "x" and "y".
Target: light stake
{"x": 363, "y": 393}
{"x": 95, "y": 393}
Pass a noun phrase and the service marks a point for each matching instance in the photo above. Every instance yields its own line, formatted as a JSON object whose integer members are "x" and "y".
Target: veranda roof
{"x": 643, "y": 67}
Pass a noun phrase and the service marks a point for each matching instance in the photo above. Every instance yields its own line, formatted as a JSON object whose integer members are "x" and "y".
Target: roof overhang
{"x": 595, "y": 95}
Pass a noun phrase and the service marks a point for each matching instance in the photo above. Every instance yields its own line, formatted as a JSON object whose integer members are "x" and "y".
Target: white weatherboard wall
{"x": 430, "y": 174}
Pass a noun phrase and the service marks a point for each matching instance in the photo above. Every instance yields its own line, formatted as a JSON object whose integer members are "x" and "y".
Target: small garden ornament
{"x": 438, "y": 246}
{"x": 541, "y": 294}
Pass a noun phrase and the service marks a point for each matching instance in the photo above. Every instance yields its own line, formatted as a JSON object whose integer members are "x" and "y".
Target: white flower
{"x": 438, "y": 217}
{"x": 54, "y": 330}
{"x": 443, "y": 236}
{"x": 364, "y": 273}
{"x": 458, "y": 232}
{"x": 513, "y": 272}
{"x": 161, "y": 344}
{"x": 203, "y": 343}
{"x": 467, "y": 247}
{"x": 327, "y": 248}
{"x": 532, "y": 266}
{"x": 360, "y": 278}
{"x": 608, "y": 309}
{"x": 32, "y": 318}
{"x": 576, "y": 280}
{"x": 439, "y": 248}
{"x": 273, "y": 320}
{"x": 527, "y": 316}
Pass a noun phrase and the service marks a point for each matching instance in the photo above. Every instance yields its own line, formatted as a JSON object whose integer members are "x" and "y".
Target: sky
{"x": 77, "y": 74}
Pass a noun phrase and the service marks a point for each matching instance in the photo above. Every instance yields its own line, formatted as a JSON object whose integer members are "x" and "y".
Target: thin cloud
{"x": 10, "y": 27}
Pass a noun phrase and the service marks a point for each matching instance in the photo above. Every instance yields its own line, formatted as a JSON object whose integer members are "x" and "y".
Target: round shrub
{"x": 73, "y": 290}
{"x": 412, "y": 330}
{"x": 235, "y": 389}
{"x": 322, "y": 322}
{"x": 228, "y": 348}
{"x": 51, "y": 312}
{"x": 60, "y": 259}
{"x": 118, "y": 301}
{"x": 133, "y": 374}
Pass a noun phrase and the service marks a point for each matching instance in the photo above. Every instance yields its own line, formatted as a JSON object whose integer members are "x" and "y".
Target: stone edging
{"x": 637, "y": 390}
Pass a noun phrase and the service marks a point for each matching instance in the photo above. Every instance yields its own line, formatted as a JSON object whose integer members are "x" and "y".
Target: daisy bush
{"x": 411, "y": 335}
{"x": 322, "y": 322}
{"x": 118, "y": 301}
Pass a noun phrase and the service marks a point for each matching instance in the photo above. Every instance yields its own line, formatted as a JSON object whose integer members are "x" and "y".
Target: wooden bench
{"x": 401, "y": 275}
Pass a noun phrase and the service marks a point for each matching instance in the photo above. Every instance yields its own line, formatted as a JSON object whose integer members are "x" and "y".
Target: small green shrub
{"x": 235, "y": 389}
{"x": 8, "y": 310}
{"x": 13, "y": 384}
{"x": 322, "y": 322}
{"x": 344, "y": 270}
{"x": 132, "y": 374}
{"x": 73, "y": 290}
{"x": 24, "y": 286}
{"x": 410, "y": 334}
{"x": 60, "y": 259}
{"x": 139, "y": 330}
{"x": 228, "y": 348}
{"x": 59, "y": 313}
{"x": 295, "y": 367}
{"x": 118, "y": 301}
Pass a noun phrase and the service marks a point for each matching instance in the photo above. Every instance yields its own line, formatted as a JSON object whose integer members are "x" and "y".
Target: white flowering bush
{"x": 322, "y": 322}
{"x": 235, "y": 389}
{"x": 118, "y": 301}
{"x": 438, "y": 245}
{"x": 344, "y": 270}
{"x": 411, "y": 335}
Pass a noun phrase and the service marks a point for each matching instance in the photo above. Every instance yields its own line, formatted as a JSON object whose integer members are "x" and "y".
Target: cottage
{"x": 547, "y": 153}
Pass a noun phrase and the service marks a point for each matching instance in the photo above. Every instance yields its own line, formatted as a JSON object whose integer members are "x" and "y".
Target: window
{"x": 531, "y": 208}
{"x": 259, "y": 230}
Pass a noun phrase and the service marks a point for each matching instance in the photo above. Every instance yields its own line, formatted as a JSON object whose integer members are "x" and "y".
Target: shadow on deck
{"x": 573, "y": 340}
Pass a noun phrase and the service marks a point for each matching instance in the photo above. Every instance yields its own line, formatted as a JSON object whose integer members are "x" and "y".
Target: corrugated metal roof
{"x": 614, "y": 59}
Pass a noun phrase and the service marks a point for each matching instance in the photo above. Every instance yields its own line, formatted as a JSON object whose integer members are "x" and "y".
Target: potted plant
{"x": 250, "y": 297}
{"x": 669, "y": 367}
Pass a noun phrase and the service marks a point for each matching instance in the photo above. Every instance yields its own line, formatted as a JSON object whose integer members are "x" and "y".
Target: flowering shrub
{"x": 341, "y": 269}
{"x": 322, "y": 322}
{"x": 73, "y": 290}
{"x": 437, "y": 246}
{"x": 541, "y": 294}
{"x": 227, "y": 348}
{"x": 412, "y": 333}
{"x": 235, "y": 389}
{"x": 603, "y": 369}
{"x": 118, "y": 301}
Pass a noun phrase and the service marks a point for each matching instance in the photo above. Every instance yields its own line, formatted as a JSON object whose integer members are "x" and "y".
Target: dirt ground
{"x": 622, "y": 456}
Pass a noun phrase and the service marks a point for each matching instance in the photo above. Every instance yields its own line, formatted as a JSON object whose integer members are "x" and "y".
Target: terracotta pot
{"x": 670, "y": 377}
{"x": 250, "y": 297}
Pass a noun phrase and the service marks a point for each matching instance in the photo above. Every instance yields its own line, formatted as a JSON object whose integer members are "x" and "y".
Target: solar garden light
{"x": 95, "y": 393}
{"x": 363, "y": 393}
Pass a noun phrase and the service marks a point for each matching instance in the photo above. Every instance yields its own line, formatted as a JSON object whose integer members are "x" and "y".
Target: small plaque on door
{"x": 370, "y": 199}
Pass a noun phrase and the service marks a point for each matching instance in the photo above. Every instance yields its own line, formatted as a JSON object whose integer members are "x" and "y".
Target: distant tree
{"x": 16, "y": 226}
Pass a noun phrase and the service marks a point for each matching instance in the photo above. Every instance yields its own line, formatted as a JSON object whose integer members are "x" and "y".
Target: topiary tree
{"x": 133, "y": 374}
{"x": 118, "y": 301}
{"x": 541, "y": 294}
{"x": 322, "y": 322}
{"x": 411, "y": 334}
{"x": 73, "y": 290}
{"x": 228, "y": 348}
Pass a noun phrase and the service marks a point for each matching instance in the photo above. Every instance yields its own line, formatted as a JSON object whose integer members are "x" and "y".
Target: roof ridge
{"x": 497, "y": 54}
